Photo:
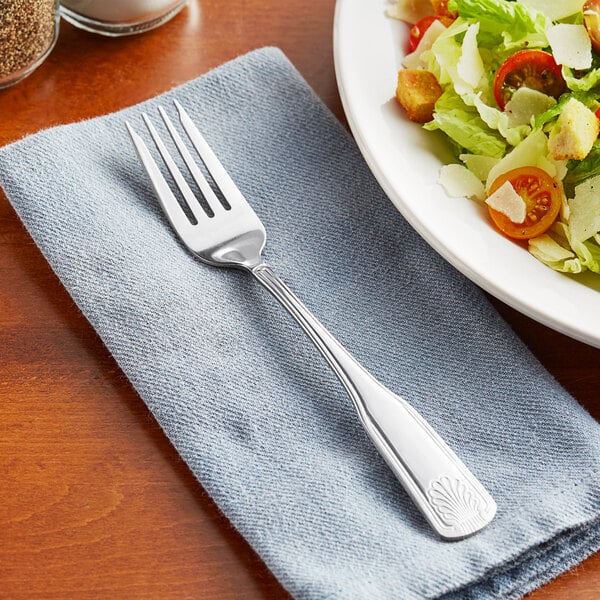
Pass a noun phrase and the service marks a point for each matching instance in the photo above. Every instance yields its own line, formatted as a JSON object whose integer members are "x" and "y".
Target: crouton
{"x": 574, "y": 133}
{"x": 417, "y": 92}
{"x": 440, "y": 7}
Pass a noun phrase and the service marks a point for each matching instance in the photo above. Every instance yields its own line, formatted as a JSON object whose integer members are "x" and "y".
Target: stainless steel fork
{"x": 448, "y": 494}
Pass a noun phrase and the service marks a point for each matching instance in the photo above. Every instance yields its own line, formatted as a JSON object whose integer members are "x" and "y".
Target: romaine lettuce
{"x": 504, "y": 25}
{"x": 581, "y": 84}
{"x": 464, "y": 125}
{"x": 553, "y": 249}
{"x": 588, "y": 253}
{"x": 580, "y": 170}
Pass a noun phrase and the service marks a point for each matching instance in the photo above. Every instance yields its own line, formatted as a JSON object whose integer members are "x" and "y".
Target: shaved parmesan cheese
{"x": 459, "y": 182}
{"x": 415, "y": 60}
{"x": 555, "y": 9}
{"x": 571, "y": 45}
{"x": 470, "y": 66}
{"x": 584, "y": 210}
{"x": 506, "y": 201}
{"x": 526, "y": 103}
{"x": 409, "y": 11}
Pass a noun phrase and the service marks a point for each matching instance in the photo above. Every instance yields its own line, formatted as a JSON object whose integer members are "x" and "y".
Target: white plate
{"x": 406, "y": 160}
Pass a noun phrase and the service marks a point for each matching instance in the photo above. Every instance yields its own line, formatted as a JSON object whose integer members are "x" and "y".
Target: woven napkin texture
{"x": 247, "y": 401}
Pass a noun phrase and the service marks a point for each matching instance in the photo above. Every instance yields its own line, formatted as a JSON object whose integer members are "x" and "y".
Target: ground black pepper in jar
{"x": 28, "y": 31}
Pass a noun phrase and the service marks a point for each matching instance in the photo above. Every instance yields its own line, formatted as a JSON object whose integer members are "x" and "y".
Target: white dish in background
{"x": 405, "y": 159}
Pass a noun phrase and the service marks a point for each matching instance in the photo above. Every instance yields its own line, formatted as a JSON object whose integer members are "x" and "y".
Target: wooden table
{"x": 94, "y": 502}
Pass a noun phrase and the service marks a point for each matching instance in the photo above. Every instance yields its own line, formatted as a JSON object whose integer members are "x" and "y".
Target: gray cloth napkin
{"x": 246, "y": 400}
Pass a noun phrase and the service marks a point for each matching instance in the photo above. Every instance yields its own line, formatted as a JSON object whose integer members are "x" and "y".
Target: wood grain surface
{"x": 94, "y": 502}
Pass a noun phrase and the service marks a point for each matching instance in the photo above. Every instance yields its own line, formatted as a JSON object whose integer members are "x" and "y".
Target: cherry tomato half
{"x": 417, "y": 31}
{"x": 542, "y": 197}
{"x": 591, "y": 20}
{"x": 530, "y": 68}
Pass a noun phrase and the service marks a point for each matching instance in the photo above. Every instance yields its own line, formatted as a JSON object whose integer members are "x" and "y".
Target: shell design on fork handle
{"x": 458, "y": 505}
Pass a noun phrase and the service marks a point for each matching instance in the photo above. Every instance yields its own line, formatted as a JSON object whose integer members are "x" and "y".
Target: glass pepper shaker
{"x": 28, "y": 32}
{"x": 119, "y": 17}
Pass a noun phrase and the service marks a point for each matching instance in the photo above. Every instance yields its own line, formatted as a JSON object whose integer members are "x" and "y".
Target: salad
{"x": 515, "y": 87}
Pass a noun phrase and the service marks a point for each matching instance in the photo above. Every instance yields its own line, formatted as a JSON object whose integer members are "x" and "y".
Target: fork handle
{"x": 452, "y": 500}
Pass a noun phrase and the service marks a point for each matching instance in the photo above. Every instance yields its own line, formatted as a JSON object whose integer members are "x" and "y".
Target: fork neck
{"x": 254, "y": 265}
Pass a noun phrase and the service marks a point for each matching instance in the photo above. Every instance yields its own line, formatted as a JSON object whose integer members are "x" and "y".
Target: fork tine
{"x": 167, "y": 200}
{"x": 197, "y": 174}
{"x": 184, "y": 188}
{"x": 228, "y": 188}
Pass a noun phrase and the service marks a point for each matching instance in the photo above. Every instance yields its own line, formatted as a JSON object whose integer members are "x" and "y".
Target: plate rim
{"x": 346, "y": 56}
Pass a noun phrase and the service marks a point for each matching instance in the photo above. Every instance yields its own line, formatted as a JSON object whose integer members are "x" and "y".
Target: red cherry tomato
{"x": 591, "y": 20}
{"x": 542, "y": 197}
{"x": 528, "y": 68}
{"x": 418, "y": 30}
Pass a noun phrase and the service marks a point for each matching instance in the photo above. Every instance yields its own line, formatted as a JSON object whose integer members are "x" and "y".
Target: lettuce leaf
{"x": 504, "y": 25}
{"x": 553, "y": 249}
{"x": 580, "y": 170}
{"x": 445, "y": 55}
{"x": 588, "y": 253}
{"x": 499, "y": 120}
{"x": 581, "y": 84}
{"x": 465, "y": 127}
